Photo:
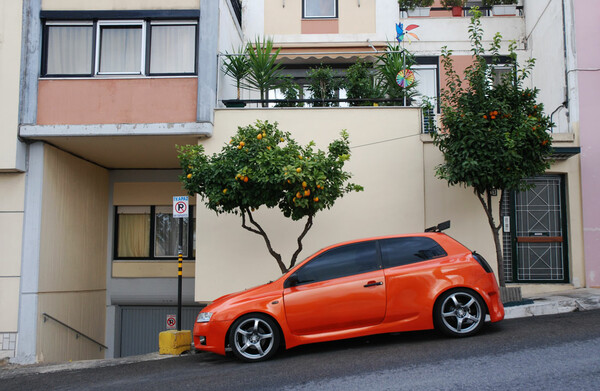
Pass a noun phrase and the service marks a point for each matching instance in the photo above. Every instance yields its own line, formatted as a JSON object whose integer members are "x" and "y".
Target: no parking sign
{"x": 181, "y": 206}
{"x": 171, "y": 322}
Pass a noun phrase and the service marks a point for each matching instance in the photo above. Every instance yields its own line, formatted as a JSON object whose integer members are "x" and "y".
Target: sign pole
{"x": 179, "y": 275}
{"x": 180, "y": 211}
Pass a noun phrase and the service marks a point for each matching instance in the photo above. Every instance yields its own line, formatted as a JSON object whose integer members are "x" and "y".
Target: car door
{"x": 341, "y": 288}
{"x": 410, "y": 276}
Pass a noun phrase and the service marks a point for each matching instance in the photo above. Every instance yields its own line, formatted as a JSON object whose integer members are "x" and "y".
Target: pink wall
{"x": 587, "y": 31}
{"x": 117, "y": 101}
{"x": 320, "y": 26}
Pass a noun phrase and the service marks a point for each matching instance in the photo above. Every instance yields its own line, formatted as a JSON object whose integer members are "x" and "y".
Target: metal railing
{"x": 77, "y": 332}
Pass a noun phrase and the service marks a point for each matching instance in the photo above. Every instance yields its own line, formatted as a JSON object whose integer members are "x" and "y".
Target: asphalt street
{"x": 535, "y": 353}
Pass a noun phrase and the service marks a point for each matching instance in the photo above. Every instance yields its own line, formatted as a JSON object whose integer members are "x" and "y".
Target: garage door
{"x": 141, "y": 325}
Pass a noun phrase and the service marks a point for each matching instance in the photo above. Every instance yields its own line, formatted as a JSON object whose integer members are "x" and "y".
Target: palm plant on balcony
{"x": 262, "y": 67}
{"x": 235, "y": 65}
{"x": 389, "y": 64}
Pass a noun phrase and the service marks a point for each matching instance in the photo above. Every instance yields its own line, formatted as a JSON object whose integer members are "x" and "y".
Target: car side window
{"x": 403, "y": 251}
{"x": 339, "y": 262}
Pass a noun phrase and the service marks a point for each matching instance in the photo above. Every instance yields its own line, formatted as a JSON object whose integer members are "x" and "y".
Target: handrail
{"x": 77, "y": 332}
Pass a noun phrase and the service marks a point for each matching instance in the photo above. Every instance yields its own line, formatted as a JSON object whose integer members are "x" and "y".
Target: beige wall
{"x": 149, "y": 193}
{"x": 394, "y": 163}
{"x": 12, "y": 191}
{"x": 10, "y": 63}
{"x": 386, "y": 160}
{"x": 72, "y": 270}
{"x": 288, "y": 20}
{"x": 119, "y": 4}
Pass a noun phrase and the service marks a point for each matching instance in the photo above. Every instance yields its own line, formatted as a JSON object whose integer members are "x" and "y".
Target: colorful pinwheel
{"x": 401, "y": 31}
{"x": 405, "y": 78}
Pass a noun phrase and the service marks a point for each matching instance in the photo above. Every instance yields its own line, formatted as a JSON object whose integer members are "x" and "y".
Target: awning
{"x": 563, "y": 153}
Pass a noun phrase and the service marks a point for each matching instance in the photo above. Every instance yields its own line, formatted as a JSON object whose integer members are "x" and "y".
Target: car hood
{"x": 233, "y": 297}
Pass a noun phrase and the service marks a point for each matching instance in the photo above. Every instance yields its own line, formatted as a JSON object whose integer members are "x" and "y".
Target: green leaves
{"x": 264, "y": 166}
{"x": 496, "y": 134}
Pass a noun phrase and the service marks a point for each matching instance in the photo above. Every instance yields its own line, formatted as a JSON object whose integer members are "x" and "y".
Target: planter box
{"x": 504, "y": 10}
{"x": 419, "y": 11}
{"x": 233, "y": 103}
{"x": 457, "y": 11}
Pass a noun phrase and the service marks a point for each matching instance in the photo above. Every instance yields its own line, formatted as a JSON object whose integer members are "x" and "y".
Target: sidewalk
{"x": 582, "y": 299}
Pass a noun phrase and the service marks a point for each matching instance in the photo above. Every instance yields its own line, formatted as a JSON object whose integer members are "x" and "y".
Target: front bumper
{"x": 214, "y": 334}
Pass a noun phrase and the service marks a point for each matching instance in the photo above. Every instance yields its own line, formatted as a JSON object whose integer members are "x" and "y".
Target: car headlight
{"x": 204, "y": 317}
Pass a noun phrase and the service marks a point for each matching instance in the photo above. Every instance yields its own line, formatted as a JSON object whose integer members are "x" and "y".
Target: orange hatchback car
{"x": 363, "y": 287}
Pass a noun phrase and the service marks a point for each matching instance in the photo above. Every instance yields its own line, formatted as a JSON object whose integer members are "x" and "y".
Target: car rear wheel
{"x": 254, "y": 337}
{"x": 459, "y": 313}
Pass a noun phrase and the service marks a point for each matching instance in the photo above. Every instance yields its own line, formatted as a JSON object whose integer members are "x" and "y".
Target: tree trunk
{"x": 487, "y": 206}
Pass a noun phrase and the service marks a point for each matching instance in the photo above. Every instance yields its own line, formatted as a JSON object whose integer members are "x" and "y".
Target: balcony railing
{"x": 486, "y": 10}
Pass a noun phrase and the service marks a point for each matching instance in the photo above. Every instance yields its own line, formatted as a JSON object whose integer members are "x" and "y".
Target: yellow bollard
{"x": 174, "y": 342}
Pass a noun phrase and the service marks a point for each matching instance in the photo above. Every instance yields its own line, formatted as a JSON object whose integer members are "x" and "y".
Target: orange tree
{"x": 263, "y": 166}
{"x": 494, "y": 134}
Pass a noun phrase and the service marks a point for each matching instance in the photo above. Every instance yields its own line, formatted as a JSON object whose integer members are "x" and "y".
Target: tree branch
{"x": 259, "y": 231}
{"x": 307, "y": 227}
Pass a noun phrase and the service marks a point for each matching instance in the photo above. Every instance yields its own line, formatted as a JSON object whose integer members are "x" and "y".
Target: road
{"x": 539, "y": 353}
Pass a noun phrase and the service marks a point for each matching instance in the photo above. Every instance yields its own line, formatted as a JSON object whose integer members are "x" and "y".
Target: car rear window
{"x": 403, "y": 251}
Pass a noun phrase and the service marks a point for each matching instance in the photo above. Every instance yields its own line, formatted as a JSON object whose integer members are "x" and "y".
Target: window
{"x": 151, "y": 232}
{"x": 69, "y": 48}
{"x": 120, "y": 47}
{"x": 340, "y": 262}
{"x": 320, "y": 9}
{"x": 404, "y": 251}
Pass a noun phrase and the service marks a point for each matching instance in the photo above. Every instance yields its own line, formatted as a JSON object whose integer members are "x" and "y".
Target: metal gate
{"x": 140, "y": 326}
{"x": 539, "y": 232}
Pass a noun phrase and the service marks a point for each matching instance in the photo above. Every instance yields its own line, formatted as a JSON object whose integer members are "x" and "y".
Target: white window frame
{"x": 334, "y": 16}
{"x": 121, "y": 23}
{"x": 176, "y": 23}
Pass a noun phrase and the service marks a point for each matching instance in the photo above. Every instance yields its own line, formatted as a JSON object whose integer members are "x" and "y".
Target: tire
{"x": 459, "y": 313}
{"x": 254, "y": 337}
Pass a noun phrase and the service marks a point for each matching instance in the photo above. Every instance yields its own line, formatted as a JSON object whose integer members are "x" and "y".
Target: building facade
{"x": 97, "y": 95}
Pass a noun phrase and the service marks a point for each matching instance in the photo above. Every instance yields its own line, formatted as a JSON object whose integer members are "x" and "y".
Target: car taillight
{"x": 481, "y": 260}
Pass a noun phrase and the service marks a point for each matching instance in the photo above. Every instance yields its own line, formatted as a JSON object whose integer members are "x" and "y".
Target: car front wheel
{"x": 254, "y": 337}
{"x": 459, "y": 313}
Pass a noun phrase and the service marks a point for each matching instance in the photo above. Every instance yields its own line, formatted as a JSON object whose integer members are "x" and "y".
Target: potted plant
{"x": 416, "y": 7}
{"x": 323, "y": 85}
{"x": 456, "y": 5}
{"x": 290, "y": 91}
{"x": 360, "y": 83}
{"x": 502, "y": 7}
{"x": 262, "y": 69}
{"x": 235, "y": 65}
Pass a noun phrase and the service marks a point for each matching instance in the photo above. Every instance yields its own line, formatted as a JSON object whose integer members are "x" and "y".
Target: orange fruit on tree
{"x": 304, "y": 184}
{"x": 260, "y": 136}
{"x": 307, "y": 192}
{"x": 224, "y": 191}
{"x": 189, "y": 176}
{"x": 242, "y": 143}
{"x": 298, "y": 169}
{"x": 245, "y": 179}
{"x": 316, "y": 199}
{"x": 298, "y": 195}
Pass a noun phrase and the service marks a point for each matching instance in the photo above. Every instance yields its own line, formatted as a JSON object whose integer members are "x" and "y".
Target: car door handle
{"x": 373, "y": 283}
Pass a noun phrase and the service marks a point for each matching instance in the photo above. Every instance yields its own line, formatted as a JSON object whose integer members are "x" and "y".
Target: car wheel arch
{"x": 282, "y": 345}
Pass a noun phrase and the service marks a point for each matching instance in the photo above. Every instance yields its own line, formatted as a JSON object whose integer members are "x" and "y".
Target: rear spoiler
{"x": 440, "y": 227}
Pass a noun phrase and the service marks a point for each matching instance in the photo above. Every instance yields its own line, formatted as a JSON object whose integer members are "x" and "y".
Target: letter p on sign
{"x": 181, "y": 206}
